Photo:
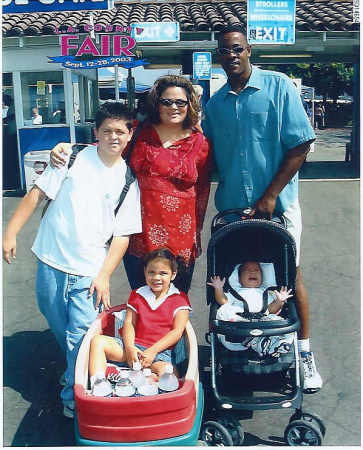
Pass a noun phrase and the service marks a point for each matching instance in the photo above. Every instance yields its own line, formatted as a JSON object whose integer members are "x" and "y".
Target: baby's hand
{"x": 216, "y": 282}
{"x": 283, "y": 295}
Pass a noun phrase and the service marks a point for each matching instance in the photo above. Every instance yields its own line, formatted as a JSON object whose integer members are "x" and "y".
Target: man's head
{"x": 250, "y": 274}
{"x": 234, "y": 52}
{"x": 114, "y": 126}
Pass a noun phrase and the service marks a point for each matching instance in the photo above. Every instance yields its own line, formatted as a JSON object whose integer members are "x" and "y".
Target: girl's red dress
{"x": 174, "y": 186}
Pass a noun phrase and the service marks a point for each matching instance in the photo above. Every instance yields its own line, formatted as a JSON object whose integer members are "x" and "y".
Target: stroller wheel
{"x": 302, "y": 432}
{"x": 309, "y": 417}
{"x": 235, "y": 430}
{"x": 215, "y": 434}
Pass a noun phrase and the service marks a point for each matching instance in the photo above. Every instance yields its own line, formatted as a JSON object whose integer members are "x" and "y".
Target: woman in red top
{"x": 171, "y": 162}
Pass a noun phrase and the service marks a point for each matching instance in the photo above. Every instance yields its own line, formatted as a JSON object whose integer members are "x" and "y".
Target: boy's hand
{"x": 147, "y": 357}
{"x": 216, "y": 282}
{"x": 56, "y": 159}
{"x": 102, "y": 286}
{"x": 9, "y": 248}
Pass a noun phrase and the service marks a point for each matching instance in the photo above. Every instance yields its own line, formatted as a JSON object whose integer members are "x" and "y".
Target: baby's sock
{"x": 303, "y": 345}
{"x": 97, "y": 376}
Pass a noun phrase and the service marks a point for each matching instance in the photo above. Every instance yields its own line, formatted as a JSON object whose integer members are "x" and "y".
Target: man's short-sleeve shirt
{"x": 155, "y": 318}
{"x": 251, "y": 132}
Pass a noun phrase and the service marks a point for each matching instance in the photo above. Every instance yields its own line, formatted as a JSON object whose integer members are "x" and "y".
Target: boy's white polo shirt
{"x": 80, "y": 220}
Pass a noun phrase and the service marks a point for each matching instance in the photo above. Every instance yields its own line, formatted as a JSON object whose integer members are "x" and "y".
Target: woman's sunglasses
{"x": 178, "y": 102}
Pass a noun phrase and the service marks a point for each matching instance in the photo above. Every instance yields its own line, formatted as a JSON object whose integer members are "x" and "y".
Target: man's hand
{"x": 9, "y": 248}
{"x": 264, "y": 207}
{"x": 56, "y": 159}
{"x": 102, "y": 286}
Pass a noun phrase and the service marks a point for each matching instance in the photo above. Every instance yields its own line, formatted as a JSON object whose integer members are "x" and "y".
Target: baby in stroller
{"x": 251, "y": 295}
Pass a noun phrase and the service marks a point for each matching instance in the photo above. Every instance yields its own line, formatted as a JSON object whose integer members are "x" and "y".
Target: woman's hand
{"x": 56, "y": 159}
{"x": 217, "y": 283}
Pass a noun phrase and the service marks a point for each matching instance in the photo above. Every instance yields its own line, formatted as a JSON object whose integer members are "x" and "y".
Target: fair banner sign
{"x": 202, "y": 65}
{"x": 79, "y": 52}
{"x": 271, "y": 21}
{"x": 30, "y": 6}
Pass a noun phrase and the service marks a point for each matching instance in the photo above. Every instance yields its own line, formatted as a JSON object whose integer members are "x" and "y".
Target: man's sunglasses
{"x": 178, "y": 102}
{"x": 228, "y": 51}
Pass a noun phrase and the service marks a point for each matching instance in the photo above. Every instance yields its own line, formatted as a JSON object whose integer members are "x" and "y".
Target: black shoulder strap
{"x": 129, "y": 179}
{"x": 239, "y": 297}
{"x": 76, "y": 148}
{"x": 246, "y": 312}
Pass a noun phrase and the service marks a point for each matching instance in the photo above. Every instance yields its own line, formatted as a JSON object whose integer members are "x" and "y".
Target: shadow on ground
{"x": 33, "y": 366}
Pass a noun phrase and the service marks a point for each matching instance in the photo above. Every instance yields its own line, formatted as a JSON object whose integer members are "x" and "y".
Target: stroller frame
{"x": 263, "y": 241}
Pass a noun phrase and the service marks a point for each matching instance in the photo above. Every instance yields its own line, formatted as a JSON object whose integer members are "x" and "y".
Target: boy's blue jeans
{"x": 63, "y": 300}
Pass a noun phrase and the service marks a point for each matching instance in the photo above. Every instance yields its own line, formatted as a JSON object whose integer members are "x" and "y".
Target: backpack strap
{"x": 76, "y": 148}
{"x": 129, "y": 179}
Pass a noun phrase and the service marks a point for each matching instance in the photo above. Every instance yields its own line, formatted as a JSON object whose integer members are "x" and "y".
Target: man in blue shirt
{"x": 260, "y": 135}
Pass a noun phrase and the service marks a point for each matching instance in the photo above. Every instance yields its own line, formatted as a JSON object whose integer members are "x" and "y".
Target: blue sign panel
{"x": 71, "y": 62}
{"x": 202, "y": 65}
{"x": 271, "y": 21}
{"x": 155, "y": 31}
{"x": 29, "y": 6}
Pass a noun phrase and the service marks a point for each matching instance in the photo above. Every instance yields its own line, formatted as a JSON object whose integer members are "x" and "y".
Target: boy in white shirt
{"x": 74, "y": 261}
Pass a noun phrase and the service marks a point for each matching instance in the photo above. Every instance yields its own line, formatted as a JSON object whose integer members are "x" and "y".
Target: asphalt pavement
{"x": 330, "y": 262}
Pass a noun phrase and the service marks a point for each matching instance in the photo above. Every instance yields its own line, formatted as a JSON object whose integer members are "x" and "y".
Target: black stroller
{"x": 244, "y": 381}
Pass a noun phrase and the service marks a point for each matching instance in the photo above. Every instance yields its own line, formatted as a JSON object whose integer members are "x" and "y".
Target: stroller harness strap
{"x": 246, "y": 312}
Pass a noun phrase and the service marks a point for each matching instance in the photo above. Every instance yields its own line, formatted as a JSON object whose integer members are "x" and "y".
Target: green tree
{"x": 329, "y": 80}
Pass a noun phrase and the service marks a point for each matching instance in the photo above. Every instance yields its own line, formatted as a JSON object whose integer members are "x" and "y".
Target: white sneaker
{"x": 312, "y": 378}
{"x": 102, "y": 388}
{"x": 68, "y": 410}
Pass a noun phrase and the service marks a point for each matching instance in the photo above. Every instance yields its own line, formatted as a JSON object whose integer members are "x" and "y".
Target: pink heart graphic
{"x": 139, "y": 30}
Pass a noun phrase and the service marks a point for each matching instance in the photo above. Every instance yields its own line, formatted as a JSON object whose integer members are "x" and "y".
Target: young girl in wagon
{"x": 156, "y": 317}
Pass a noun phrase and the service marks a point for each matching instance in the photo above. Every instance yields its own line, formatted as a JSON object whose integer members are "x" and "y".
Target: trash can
{"x": 35, "y": 163}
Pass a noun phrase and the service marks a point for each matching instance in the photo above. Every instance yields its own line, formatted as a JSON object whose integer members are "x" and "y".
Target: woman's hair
{"x": 165, "y": 82}
{"x": 114, "y": 110}
{"x": 162, "y": 253}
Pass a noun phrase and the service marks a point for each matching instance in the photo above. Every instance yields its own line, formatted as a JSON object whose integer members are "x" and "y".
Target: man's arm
{"x": 22, "y": 213}
{"x": 101, "y": 282}
{"x": 294, "y": 159}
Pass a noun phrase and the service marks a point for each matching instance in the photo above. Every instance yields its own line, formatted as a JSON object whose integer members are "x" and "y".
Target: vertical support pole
{"x": 117, "y": 82}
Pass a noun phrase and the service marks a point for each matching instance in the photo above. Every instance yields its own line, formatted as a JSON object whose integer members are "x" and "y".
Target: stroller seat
{"x": 250, "y": 362}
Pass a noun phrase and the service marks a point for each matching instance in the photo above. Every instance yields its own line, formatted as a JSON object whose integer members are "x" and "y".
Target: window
{"x": 43, "y": 98}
